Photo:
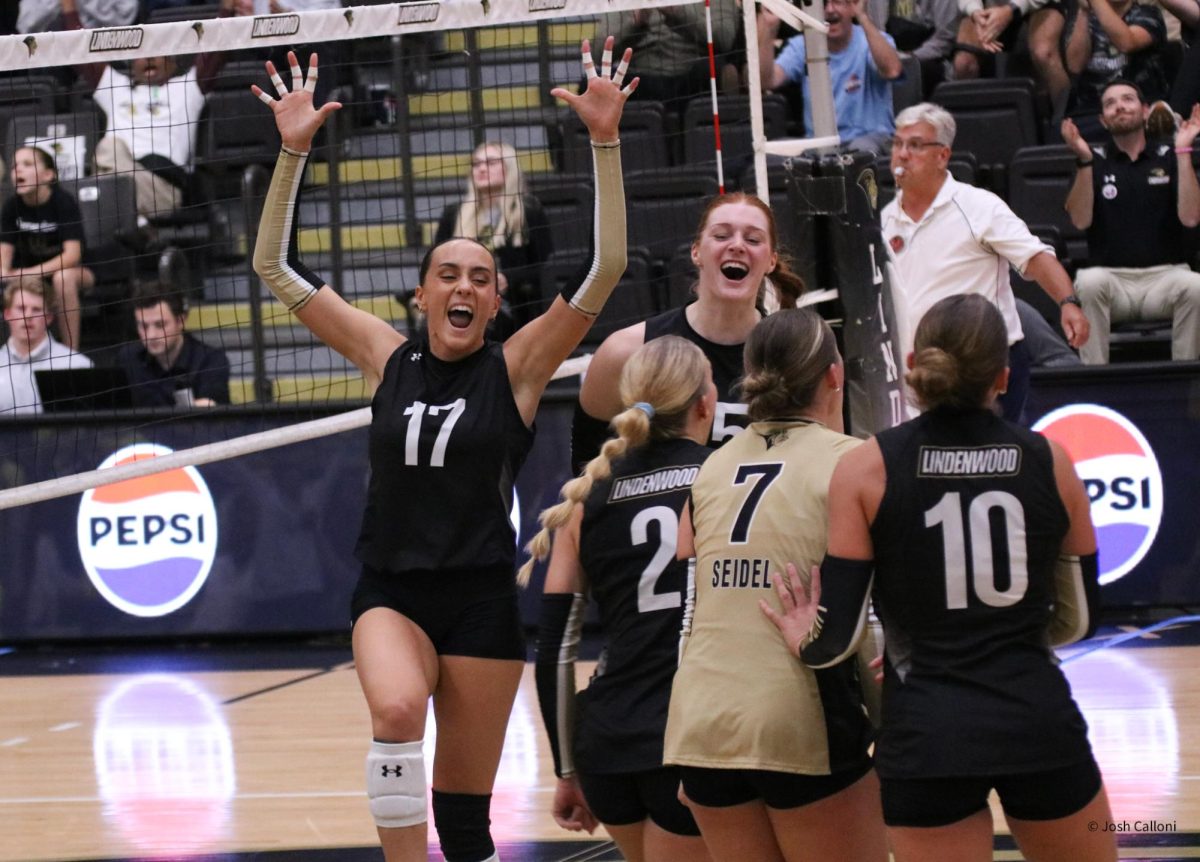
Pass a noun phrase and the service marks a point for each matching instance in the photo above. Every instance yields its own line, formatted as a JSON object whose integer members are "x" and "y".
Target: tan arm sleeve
{"x": 276, "y": 259}
{"x": 608, "y": 233}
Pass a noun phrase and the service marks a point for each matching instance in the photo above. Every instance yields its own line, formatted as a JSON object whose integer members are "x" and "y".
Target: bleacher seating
{"x": 737, "y": 146}
{"x": 908, "y": 89}
{"x": 663, "y": 206}
{"x": 995, "y": 118}
{"x": 634, "y": 299}
{"x": 643, "y": 140}
{"x": 1038, "y": 181}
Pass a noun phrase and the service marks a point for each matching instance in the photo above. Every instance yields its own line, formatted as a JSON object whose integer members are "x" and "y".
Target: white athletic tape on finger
{"x": 310, "y": 85}
{"x": 622, "y": 68}
{"x": 279, "y": 85}
{"x": 297, "y": 77}
{"x": 265, "y": 97}
{"x": 606, "y": 62}
{"x": 589, "y": 65}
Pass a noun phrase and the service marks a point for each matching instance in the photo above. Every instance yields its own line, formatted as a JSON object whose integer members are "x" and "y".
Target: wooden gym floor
{"x": 254, "y": 753}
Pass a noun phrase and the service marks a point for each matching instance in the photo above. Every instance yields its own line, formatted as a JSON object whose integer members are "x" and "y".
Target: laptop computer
{"x": 66, "y": 390}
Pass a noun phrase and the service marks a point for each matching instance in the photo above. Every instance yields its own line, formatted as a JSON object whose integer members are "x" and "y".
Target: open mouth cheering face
{"x": 734, "y": 252}
{"x": 459, "y": 296}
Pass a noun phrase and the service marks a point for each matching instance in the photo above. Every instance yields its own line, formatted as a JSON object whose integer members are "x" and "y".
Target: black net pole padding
{"x": 835, "y": 197}
{"x": 797, "y": 225}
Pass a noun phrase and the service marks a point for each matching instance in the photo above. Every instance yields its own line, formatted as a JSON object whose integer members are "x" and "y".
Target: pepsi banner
{"x": 263, "y": 544}
{"x": 1132, "y": 431}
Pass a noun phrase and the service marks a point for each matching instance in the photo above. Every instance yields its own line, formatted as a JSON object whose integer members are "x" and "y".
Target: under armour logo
{"x": 392, "y": 771}
{"x": 415, "y": 357}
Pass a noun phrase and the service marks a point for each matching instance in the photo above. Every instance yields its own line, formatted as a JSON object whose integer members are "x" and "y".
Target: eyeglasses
{"x": 915, "y": 145}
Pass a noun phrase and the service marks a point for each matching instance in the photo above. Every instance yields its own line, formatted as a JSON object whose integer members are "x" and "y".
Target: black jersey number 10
{"x": 948, "y": 514}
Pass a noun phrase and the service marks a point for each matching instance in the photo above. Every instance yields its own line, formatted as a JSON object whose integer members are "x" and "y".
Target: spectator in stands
{"x": 862, "y": 64}
{"x": 1185, "y": 92}
{"x": 989, "y": 27}
{"x": 40, "y": 16}
{"x": 946, "y": 238}
{"x": 151, "y": 114}
{"x": 498, "y": 211}
{"x": 671, "y": 44}
{"x": 924, "y": 29}
{"x": 41, "y": 235}
{"x": 168, "y": 366}
{"x": 28, "y": 311}
{"x": 1134, "y": 198}
{"x": 1122, "y": 39}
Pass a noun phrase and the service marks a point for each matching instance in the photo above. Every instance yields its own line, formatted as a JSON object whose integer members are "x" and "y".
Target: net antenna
{"x": 820, "y": 88}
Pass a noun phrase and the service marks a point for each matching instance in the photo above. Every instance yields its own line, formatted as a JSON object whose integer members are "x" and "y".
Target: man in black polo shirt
{"x": 1134, "y": 199}
{"x": 168, "y": 366}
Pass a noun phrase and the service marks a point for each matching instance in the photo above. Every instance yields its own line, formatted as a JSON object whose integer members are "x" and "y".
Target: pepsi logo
{"x": 1122, "y": 477}
{"x": 148, "y": 543}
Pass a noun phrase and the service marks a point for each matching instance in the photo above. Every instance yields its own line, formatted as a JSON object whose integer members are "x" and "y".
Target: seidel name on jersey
{"x": 732, "y": 574}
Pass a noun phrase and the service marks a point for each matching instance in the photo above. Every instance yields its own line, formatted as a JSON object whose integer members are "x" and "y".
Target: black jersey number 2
{"x": 448, "y": 413}
{"x": 648, "y": 597}
{"x": 766, "y": 473}
{"x": 948, "y": 514}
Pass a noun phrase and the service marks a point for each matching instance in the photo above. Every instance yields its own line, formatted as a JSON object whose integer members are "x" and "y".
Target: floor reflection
{"x": 164, "y": 764}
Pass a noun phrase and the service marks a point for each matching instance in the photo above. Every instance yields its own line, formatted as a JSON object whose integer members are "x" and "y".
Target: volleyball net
{"x": 424, "y": 87}
{"x": 434, "y": 95}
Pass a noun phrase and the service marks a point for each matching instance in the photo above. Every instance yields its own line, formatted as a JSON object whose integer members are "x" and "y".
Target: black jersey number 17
{"x": 449, "y": 413}
{"x": 949, "y": 515}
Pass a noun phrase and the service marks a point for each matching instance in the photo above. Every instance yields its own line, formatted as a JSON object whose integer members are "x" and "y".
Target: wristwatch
{"x": 1073, "y": 299}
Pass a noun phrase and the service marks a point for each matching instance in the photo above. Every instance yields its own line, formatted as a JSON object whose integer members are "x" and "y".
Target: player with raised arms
{"x": 435, "y": 609}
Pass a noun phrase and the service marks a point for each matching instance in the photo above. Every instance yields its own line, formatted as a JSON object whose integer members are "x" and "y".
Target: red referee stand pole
{"x": 834, "y": 225}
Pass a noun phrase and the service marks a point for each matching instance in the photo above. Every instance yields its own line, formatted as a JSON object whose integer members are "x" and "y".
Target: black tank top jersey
{"x": 966, "y": 540}
{"x": 627, "y": 549}
{"x": 727, "y": 368}
{"x": 446, "y": 443}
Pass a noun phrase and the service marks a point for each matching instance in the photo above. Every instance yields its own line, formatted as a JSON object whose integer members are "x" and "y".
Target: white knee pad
{"x": 396, "y": 783}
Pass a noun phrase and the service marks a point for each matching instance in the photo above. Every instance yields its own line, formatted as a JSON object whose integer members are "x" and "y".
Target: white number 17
{"x": 416, "y": 414}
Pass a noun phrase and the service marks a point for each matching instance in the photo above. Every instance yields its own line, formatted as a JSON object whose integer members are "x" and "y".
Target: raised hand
{"x": 1188, "y": 129}
{"x": 1071, "y": 137}
{"x": 601, "y": 104}
{"x": 295, "y": 116}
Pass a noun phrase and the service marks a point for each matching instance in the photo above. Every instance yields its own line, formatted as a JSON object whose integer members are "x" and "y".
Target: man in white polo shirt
{"x": 947, "y": 238}
{"x": 29, "y": 347}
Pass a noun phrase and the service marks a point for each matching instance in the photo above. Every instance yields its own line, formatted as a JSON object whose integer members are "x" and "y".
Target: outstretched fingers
{"x": 295, "y": 115}
{"x": 622, "y": 68}
{"x": 589, "y": 65}
{"x": 606, "y": 65}
{"x": 300, "y": 81}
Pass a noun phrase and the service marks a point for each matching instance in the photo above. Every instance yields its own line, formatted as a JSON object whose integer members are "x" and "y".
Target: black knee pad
{"x": 462, "y": 821}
